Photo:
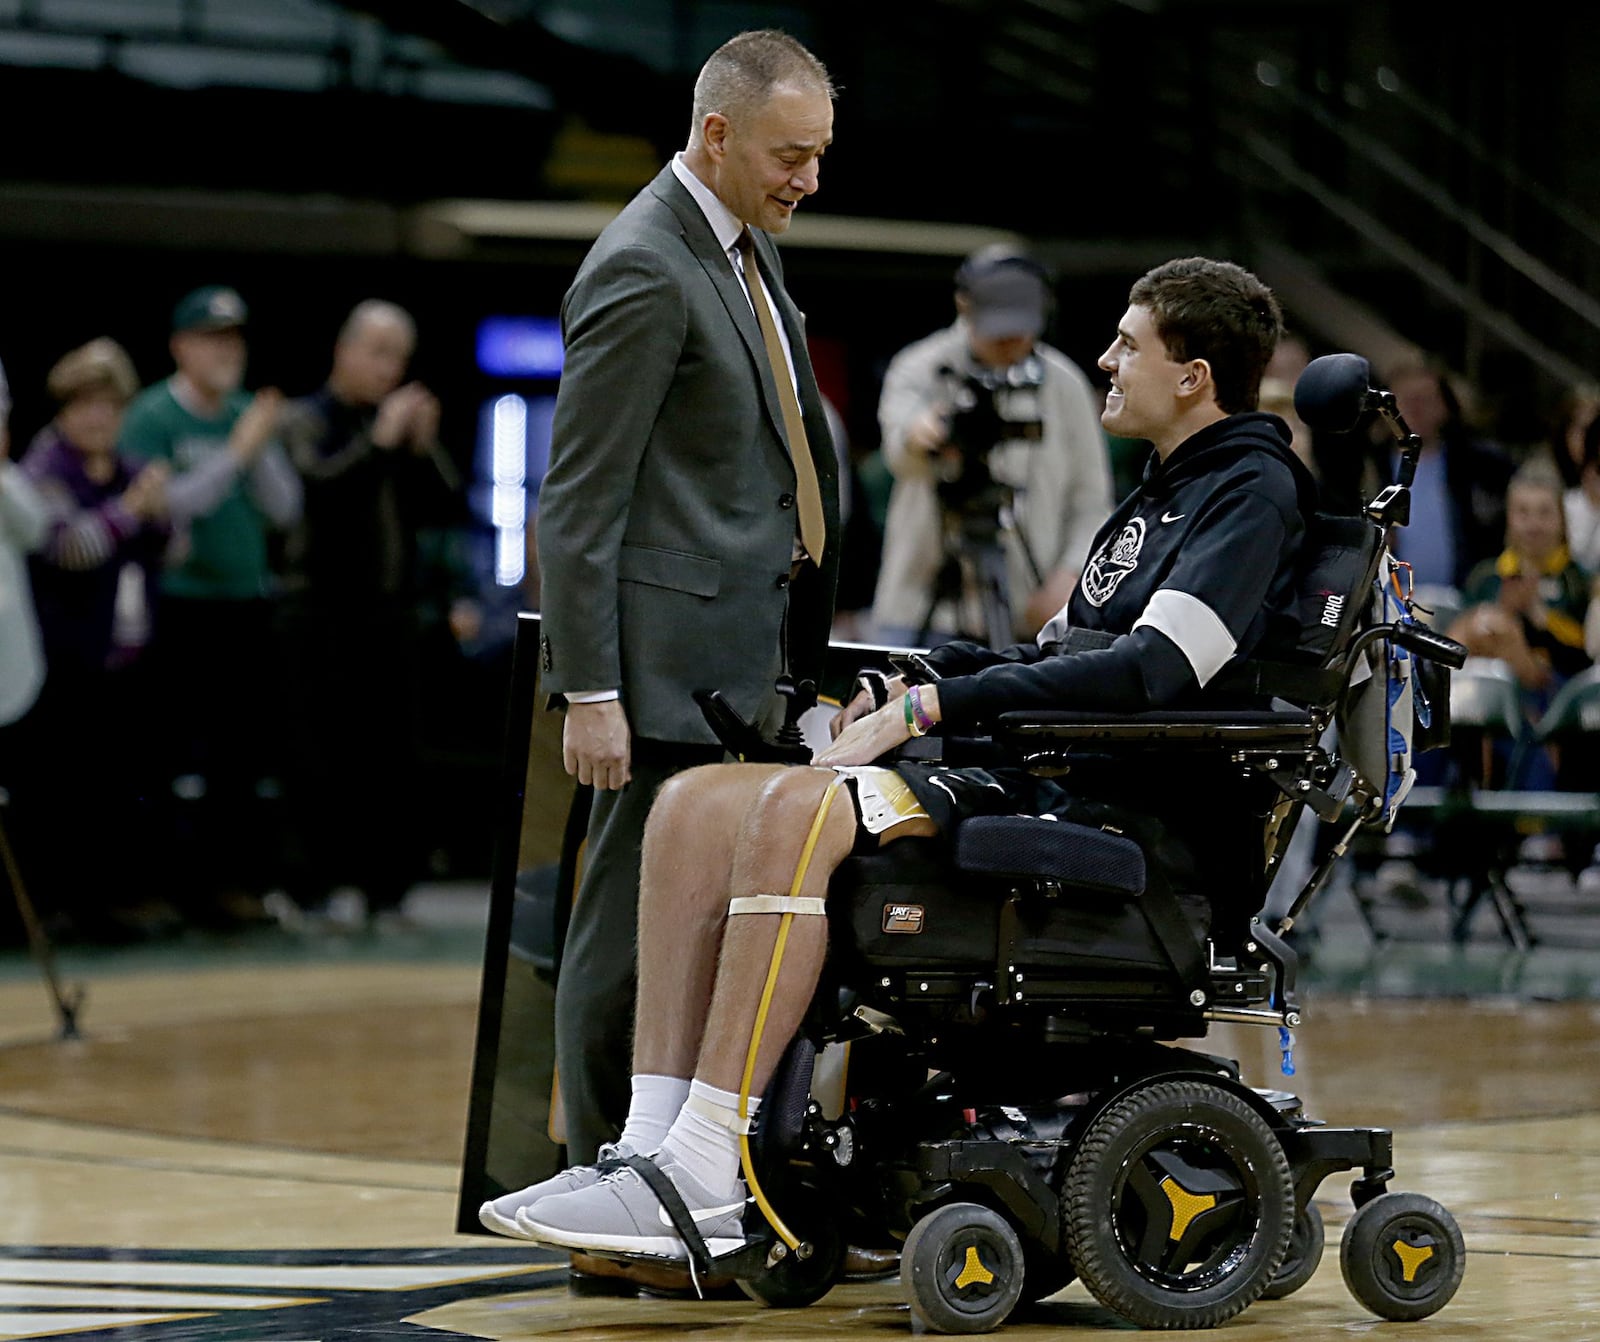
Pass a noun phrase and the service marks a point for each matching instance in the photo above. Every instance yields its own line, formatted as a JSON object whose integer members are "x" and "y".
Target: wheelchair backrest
{"x": 1301, "y": 657}
{"x": 1340, "y": 561}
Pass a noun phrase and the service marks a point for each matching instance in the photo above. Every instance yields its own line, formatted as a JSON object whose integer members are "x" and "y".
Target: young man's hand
{"x": 870, "y": 738}
{"x": 860, "y": 706}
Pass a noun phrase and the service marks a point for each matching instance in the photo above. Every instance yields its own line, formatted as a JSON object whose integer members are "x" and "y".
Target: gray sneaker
{"x": 619, "y": 1213}
{"x": 500, "y": 1215}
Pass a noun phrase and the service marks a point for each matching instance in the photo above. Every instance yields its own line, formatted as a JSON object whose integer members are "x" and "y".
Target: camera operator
{"x": 1001, "y": 473}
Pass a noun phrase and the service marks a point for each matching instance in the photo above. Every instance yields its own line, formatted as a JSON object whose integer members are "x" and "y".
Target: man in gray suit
{"x": 688, "y": 525}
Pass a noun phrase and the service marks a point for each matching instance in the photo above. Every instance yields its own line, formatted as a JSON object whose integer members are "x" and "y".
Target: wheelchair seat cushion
{"x": 1045, "y": 847}
{"x": 1128, "y": 814}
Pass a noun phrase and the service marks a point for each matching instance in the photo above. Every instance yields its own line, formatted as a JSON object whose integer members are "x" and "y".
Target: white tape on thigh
{"x": 719, "y": 1114}
{"x": 777, "y": 904}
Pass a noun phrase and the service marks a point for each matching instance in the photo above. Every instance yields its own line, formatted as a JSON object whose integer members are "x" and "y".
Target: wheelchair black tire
{"x": 1301, "y": 1258}
{"x": 1375, "y": 1270}
{"x": 1236, "y": 1220}
{"x": 942, "y": 1249}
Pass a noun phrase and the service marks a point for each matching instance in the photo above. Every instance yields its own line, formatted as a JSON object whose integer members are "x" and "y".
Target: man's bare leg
{"x": 684, "y": 887}
{"x": 699, "y": 1154}
{"x": 764, "y": 862}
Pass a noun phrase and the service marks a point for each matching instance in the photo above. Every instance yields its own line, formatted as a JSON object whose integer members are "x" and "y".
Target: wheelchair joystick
{"x": 800, "y": 697}
{"x": 744, "y": 740}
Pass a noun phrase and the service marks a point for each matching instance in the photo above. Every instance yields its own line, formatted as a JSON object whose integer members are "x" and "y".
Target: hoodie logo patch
{"x": 1114, "y": 561}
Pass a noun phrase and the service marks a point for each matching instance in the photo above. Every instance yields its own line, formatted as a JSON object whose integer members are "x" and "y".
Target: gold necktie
{"x": 813, "y": 526}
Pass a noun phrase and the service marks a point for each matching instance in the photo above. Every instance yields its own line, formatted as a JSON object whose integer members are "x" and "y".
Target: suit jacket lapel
{"x": 702, "y": 243}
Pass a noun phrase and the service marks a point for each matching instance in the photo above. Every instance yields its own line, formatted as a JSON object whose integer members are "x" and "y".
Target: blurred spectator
{"x": 1288, "y": 361}
{"x": 90, "y": 736}
{"x": 1277, "y": 398}
{"x": 22, "y": 527}
{"x": 1582, "y": 503}
{"x": 367, "y": 449}
{"x": 231, "y": 485}
{"x": 1458, "y": 497}
{"x": 1527, "y": 605}
{"x": 23, "y": 522}
{"x": 994, "y": 440}
{"x": 1575, "y": 414}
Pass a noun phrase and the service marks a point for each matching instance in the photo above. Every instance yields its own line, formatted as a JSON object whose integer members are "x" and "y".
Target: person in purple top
{"x": 106, "y": 512}
{"x": 92, "y": 577}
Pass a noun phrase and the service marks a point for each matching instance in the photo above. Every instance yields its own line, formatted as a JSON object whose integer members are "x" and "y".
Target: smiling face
{"x": 1534, "y": 523}
{"x": 766, "y": 162}
{"x": 1144, "y": 399}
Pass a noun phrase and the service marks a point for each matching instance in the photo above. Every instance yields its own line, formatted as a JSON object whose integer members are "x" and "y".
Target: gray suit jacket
{"x": 666, "y": 520}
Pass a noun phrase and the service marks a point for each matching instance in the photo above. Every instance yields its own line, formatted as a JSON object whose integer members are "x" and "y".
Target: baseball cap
{"x": 213, "y": 307}
{"x": 1006, "y": 298}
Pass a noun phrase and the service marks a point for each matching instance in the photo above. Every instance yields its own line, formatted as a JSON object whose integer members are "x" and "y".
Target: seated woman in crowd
{"x": 1527, "y": 605}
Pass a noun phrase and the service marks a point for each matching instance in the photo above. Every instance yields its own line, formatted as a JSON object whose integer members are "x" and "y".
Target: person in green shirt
{"x": 231, "y": 486}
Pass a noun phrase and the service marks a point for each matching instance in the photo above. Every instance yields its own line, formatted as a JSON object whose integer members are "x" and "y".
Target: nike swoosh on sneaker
{"x": 1173, "y": 517}
{"x": 700, "y": 1218}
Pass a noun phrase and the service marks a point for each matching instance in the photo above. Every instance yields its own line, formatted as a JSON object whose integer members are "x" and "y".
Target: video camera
{"x": 990, "y": 406}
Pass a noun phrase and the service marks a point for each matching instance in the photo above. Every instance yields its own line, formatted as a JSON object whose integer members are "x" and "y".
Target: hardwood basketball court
{"x": 262, "y": 1139}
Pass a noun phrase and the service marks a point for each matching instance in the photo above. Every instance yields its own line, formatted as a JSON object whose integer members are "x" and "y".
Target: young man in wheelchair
{"x": 1190, "y": 572}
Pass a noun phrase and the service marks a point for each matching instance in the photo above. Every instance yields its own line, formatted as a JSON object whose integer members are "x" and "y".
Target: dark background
{"x": 305, "y": 134}
{"x": 1406, "y": 176}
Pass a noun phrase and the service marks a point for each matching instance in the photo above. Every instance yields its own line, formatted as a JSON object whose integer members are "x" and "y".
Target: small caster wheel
{"x": 1402, "y": 1256}
{"x": 799, "y": 1278}
{"x": 962, "y": 1269}
{"x": 1300, "y": 1259}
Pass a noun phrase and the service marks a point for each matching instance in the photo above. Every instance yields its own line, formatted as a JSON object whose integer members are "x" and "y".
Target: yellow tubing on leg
{"x": 784, "y": 1233}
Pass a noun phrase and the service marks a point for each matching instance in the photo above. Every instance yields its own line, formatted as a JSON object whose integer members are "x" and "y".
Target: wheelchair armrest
{"x": 1182, "y": 728}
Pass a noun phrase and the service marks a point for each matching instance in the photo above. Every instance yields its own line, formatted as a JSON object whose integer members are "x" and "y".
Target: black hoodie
{"x": 1191, "y": 569}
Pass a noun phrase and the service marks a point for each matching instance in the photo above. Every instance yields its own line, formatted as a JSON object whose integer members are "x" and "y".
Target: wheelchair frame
{"x": 987, "y": 1178}
{"x": 1028, "y": 1121}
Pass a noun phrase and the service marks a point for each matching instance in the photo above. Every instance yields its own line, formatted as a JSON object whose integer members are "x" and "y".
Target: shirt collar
{"x": 724, "y": 223}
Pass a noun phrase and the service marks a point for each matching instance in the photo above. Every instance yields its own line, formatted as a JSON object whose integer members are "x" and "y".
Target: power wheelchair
{"x": 1017, "y": 1110}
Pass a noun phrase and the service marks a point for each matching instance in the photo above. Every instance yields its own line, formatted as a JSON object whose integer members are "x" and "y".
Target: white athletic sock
{"x": 656, "y": 1102}
{"x": 708, "y": 1149}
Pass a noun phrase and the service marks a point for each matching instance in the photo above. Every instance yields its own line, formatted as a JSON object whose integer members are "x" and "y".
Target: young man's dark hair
{"x": 1219, "y": 312}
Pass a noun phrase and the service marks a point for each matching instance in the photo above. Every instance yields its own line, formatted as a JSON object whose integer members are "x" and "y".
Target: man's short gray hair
{"x": 739, "y": 76}
{"x": 377, "y": 310}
